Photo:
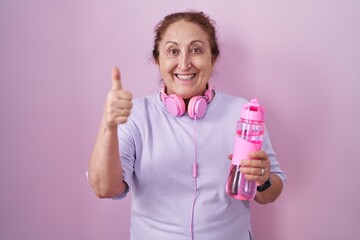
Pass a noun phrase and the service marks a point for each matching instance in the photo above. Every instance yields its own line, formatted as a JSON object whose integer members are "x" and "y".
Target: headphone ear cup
{"x": 197, "y": 107}
{"x": 175, "y": 105}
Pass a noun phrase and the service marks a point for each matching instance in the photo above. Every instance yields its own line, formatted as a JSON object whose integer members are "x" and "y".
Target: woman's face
{"x": 185, "y": 60}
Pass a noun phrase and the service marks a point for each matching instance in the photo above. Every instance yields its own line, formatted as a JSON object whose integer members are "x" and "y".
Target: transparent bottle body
{"x": 248, "y": 138}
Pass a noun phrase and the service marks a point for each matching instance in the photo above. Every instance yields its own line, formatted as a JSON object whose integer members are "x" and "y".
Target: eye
{"x": 195, "y": 50}
{"x": 173, "y": 52}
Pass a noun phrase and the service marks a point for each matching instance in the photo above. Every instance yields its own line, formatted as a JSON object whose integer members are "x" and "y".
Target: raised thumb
{"x": 116, "y": 79}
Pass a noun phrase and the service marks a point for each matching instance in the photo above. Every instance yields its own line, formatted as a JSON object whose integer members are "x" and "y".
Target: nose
{"x": 184, "y": 61}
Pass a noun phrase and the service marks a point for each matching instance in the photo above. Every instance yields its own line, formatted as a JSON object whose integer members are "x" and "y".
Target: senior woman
{"x": 170, "y": 149}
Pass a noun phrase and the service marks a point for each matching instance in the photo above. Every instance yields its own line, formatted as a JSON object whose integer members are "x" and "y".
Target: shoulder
{"x": 146, "y": 108}
{"x": 224, "y": 100}
{"x": 146, "y": 100}
{"x": 225, "y": 108}
{"x": 232, "y": 99}
{"x": 146, "y": 103}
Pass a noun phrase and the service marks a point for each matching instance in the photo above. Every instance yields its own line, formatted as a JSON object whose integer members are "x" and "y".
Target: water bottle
{"x": 249, "y": 137}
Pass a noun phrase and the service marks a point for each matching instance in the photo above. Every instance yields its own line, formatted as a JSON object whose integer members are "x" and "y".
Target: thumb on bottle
{"x": 116, "y": 79}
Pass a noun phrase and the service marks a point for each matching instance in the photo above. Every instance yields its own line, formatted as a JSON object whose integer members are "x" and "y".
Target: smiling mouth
{"x": 185, "y": 76}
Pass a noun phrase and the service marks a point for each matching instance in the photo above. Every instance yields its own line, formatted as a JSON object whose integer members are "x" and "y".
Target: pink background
{"x": 300, "y": 58}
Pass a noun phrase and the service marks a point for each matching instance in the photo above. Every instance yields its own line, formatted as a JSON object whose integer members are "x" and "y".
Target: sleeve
{"x": 274, "y": 164}
{"x": 127, "y": 151}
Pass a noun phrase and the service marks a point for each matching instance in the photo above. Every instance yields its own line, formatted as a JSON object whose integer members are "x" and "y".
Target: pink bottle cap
{"x": 253, "y": 111}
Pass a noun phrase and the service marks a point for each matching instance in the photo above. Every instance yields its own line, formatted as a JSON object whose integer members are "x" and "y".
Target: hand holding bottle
{"x": 257, "y": 168}
{"x": 252, "y": 168}
{"x": 118, "y": 104}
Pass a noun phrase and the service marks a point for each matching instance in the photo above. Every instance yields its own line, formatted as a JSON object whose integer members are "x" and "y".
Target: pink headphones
{"x": 197, "y": 104}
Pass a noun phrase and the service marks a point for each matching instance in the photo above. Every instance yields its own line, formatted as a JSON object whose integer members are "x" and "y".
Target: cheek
{"x": 204, "y": 64}
{"x": 206, "y": 68}
{"x": 166, "y": 65}
{"x": 165, "y": 71}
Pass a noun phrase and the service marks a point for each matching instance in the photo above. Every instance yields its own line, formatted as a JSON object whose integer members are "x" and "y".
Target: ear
{"x": 154, "y": 61}
{"x": 213, "y": 61}
{"x": 157, "y": 64}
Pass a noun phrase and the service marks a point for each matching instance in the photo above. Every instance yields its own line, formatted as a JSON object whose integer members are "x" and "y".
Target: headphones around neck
{"x": 175, "y": 105}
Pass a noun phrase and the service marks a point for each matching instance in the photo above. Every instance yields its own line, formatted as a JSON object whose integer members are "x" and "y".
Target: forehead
{"x": 184, "y": 32}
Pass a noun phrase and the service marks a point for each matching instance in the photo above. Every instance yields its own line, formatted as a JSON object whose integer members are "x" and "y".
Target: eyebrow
{"x": 192, "y": 42}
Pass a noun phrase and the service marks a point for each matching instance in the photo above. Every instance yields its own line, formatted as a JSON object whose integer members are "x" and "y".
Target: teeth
{"x": 185, "y": 77}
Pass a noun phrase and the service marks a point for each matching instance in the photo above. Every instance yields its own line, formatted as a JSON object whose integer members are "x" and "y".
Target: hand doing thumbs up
{"x": 119, "y": 102}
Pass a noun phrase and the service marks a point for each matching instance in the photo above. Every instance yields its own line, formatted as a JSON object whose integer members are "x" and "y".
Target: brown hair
{"x": 199, "y": 18}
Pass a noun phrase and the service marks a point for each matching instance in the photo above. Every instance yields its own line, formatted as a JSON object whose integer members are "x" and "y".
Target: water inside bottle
{"x": 237, "y": 185}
